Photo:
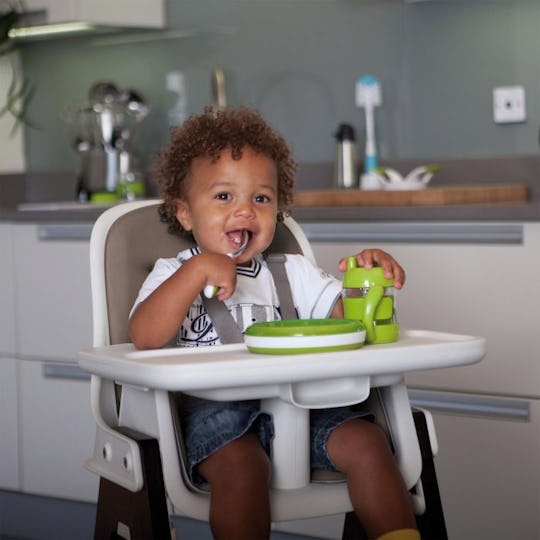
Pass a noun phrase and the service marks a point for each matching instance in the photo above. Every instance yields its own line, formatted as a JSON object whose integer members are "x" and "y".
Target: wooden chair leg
{"x": 352, "y": 528}
{"x": 139, "y": 516}
{"x": 431, "y": 524}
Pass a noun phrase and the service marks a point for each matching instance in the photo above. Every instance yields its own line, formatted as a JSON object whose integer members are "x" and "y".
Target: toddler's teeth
{"x": 236, "y": 237}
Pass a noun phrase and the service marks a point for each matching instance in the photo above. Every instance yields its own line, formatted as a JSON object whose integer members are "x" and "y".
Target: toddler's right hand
{"x": 220, "y": 272}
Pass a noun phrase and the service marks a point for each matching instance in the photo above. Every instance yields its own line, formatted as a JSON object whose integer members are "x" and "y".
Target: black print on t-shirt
{"x": 198, "y": 329}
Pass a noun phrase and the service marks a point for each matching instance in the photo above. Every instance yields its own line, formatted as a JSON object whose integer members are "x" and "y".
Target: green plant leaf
{"x": 18, "y": 106}
{"x": 20, "y": 91}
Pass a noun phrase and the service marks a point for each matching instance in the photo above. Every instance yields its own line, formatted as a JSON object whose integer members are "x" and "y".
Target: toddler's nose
{"x": 244, "y": 208}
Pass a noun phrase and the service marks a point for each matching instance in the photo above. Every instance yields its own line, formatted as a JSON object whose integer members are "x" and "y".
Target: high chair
{"x": 138, "y": 448}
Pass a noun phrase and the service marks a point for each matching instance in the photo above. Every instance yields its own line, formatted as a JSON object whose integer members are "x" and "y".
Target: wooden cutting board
{"x": 431, "y": 196}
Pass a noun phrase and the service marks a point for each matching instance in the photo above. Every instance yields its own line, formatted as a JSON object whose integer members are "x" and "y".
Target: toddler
{"x": 226, "y": 176}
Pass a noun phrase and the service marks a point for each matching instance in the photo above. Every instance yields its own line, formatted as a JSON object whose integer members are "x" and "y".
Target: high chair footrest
{"x": 143, "y": 513}
{"x": 117, "y": 457}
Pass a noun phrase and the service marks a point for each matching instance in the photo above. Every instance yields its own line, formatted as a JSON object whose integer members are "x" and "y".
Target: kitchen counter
{"x": 481, "y": 171}
{"x": 496, "y": 212}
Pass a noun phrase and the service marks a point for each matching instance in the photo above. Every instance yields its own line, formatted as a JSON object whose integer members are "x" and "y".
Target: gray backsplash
{"x": 297, "y": 61}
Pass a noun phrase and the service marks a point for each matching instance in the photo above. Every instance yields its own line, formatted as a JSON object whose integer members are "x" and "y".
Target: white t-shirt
{"x": 255, "y": 298}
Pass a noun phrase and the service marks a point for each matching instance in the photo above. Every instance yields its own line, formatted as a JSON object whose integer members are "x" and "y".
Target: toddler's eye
{"x": 262, "y": 198}
{"x": 223, "y": 196}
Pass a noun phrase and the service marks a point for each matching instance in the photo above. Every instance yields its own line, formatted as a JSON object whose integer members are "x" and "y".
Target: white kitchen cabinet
{"x": 488, "y": 471}
{"x": 136, "y": 13}
{"x": 9, "y": 439}
{"x": 53, "y": 322}
{"x": 480, "y": 279}
{"x": 57, "y": 431}
{"x": 52, "y": 288}
{"x": 9, "y": 428}
{"x": 7, "y": 305}
{"x": 486, "y": 288}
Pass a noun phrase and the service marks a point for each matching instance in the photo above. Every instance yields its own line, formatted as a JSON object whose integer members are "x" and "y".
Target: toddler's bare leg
{"x": 377, "y": 491}
{"x": 239, "y": 474}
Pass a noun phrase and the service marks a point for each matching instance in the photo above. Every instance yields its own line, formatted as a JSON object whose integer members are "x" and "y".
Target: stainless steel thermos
{"x": 345, "y": 174}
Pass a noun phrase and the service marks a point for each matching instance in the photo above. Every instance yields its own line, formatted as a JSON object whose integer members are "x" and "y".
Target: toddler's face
{"x": 229, "y": 198}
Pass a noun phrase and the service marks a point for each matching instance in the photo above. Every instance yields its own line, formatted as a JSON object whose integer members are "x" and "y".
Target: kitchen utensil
{"x": 102, "y": 128}
{"x": 422, "y": 175}
{"x": 130, "y": 180}
{"x": 131, "y": 110}
{"x": 81, "y": 124}
{"x": 176, "y": 84}
{"x": 299, "y": 336}
{"x": 92, "y": 172}
{"x": 210, "y": 290}
{"x": 368, "y": 96}
{"x": 368, "y": 296}
{"x": 345, "y": 165}
{"x": 370, "y": 182}
{"x": 106, "y": 123}
{"x": 391, "y": 179}
{"x": 219, "y": 92}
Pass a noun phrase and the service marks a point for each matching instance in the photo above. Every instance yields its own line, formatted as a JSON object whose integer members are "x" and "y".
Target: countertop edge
{"x": 471, "y": 212}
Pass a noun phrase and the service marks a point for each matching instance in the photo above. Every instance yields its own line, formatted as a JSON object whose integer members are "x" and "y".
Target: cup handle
{"x": 372, "y": 300}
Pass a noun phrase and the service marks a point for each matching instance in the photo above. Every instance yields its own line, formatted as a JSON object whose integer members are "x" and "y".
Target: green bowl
{"x": 300, "y": 336}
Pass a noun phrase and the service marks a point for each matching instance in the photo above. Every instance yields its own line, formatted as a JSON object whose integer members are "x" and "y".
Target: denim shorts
{"x": 209, "y": 425}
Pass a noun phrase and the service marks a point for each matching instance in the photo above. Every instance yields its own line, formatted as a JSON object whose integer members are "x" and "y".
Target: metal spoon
{"x": 218, "y": 89}
{"x": 210, "y": 290}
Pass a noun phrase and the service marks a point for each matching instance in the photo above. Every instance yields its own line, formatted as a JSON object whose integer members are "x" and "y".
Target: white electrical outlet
{"x": 509, "y": 104}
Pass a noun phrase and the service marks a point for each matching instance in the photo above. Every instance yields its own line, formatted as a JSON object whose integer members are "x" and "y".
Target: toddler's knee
{"x": 356, "y": 438}
{"x": 238, "y": 459}
{"x": 360, "y": 432}
{"x": 373, "y": 434}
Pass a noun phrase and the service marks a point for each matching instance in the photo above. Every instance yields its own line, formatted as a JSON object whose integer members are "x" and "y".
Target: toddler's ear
{"x": 183, "y": 214}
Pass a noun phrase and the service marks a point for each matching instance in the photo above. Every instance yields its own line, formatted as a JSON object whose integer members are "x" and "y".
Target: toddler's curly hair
{"x": 208, "y": 135}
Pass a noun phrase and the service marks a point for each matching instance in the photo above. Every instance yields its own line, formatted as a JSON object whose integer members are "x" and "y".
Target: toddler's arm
{"x": 157, "y": 319}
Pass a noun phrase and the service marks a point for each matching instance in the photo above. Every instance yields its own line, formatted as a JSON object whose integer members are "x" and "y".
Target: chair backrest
{"x": 126, "y": 241}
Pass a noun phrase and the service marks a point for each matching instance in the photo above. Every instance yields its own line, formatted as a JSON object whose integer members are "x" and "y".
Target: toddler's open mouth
{"x": 239, "y": 240}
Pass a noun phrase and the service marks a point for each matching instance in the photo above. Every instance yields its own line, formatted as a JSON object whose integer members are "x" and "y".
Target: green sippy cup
{"x": 369, "y": 297}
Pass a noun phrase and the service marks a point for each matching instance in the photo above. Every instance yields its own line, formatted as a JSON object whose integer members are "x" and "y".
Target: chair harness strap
{"x": 224, "y": 324}
{"x": 276, "y": 265}
{"x": 223, "y": 321}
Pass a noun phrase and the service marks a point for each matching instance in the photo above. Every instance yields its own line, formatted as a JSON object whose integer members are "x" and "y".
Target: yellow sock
{"x": 401, "y": 534}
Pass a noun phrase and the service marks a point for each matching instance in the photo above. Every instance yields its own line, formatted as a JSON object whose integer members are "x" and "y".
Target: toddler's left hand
{"x": 377, "y": 257}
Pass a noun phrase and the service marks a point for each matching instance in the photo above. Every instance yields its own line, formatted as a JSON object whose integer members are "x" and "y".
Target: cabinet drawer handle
{"x": 56, "y": 370}
{"x": 417, "y": 233}
{"x": 73, "y": 231}
{"x": 467, "y": 405}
